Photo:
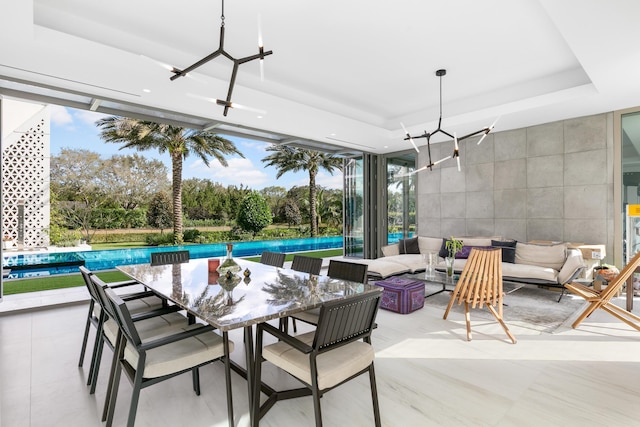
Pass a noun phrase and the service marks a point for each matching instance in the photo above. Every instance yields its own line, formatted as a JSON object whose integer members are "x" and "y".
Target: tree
{"x": 291, "y": 159}
{"x": 290, "y": 212}
{"x": 274, "y": 196}
{"x": 132, "y": 179}
{"x": 254, "y": 213}
{"x": 177, "y": 141}
{"x": 75, "y": 176}
{"x": 75, "y": 182}
{"x": 159, "y": 212}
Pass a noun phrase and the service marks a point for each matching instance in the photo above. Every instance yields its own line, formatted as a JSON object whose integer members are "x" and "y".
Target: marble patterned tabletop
{"x": 268, "y": 293}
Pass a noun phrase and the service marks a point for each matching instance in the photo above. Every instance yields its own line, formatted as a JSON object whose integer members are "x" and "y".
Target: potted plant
{"x": 453, "y": 246}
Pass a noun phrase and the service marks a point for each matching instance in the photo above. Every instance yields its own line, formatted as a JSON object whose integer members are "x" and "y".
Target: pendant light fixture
{"x": 236, "y": 63}
{"x": 456, "y": 153}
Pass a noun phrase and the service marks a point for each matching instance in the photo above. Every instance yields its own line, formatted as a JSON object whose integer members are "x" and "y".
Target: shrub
{"x": 191, "y": 235}
{"x": 254, "y": 213}
{"x": 159, "y": 239}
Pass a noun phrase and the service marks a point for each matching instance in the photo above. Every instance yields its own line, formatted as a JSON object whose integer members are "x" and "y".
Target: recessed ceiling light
{"x": 259, "y": 117}
{"x": 146, "y": 90}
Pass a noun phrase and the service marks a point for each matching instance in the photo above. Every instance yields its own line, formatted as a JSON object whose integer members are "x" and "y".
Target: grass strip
{"x": 18, "y": 286}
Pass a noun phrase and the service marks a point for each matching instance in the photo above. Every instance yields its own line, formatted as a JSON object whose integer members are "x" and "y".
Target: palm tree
{"x": 179, "y": 142}
{"x": 290, "y": 159}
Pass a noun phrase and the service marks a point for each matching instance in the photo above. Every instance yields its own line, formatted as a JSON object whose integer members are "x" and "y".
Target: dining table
{"x": 255, "y": 294}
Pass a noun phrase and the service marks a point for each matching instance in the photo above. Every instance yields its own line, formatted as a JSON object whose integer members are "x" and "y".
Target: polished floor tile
{"x": 427, "y": 375}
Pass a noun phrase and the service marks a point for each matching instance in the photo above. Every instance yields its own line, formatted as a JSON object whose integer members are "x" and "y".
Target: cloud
{"x": 60, "y": 116}
{"x": 330, "y": 181}
{"x": 323, "y": 179}
{"x": 89, "y": 117}
{"x": 239, "y": 171}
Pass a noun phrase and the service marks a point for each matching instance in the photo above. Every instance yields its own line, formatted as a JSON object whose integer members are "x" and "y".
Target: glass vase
{"x": 449, "y": 263}
{"x": 229, "y": 264}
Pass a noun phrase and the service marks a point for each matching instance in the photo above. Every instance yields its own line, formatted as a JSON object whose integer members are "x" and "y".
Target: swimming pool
{"x": 45, "y": 264}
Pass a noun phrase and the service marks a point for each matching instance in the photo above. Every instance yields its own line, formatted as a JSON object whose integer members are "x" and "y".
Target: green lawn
{"x": 70, "y": 280}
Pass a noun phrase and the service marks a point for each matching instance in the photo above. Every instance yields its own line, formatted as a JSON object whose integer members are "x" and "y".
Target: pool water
{"x": 33, "y": 265}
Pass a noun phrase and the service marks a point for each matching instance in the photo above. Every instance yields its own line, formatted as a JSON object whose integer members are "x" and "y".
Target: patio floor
{"x": 427, "y": 375}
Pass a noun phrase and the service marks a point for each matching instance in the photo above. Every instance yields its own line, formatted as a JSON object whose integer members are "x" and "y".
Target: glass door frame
{"x": 618, "y": 186}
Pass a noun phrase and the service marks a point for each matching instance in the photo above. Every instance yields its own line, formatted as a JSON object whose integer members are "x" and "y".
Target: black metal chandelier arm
{"x": 478, "y": 132}
{"x": 252, "y": 57}
{"x": 211, "y": 56}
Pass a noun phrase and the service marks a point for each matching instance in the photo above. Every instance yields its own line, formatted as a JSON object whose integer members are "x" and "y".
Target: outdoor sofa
{"x": 530, "y": 263}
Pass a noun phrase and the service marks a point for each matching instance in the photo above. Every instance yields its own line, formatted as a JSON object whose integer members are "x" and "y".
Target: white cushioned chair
{"x": 174, "y": 351}
{"x": 336, "y": 352}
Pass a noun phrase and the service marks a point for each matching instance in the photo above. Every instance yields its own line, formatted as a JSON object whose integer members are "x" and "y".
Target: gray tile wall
{"x": 548, "y": 182}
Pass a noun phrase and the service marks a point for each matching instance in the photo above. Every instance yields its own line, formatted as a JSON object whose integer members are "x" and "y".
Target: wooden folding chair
{"x": 480, "y": 283}
{"x": 602, "y": 299}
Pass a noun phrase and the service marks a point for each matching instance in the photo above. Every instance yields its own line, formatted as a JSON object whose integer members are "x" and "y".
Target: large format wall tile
{"x": 585, "y": 133}
{"x": 545, "y": 140}
{"x": 585, "y": 167}
{"x": 545, "y": 171}
{"x": 510, "y": 174}
{"x": 511, "y": 144}
{"x": 546, "y": 182}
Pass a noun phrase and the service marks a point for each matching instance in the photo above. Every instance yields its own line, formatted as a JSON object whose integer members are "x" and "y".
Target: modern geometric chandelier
{"x": 456, "y": 140}
{"x": 236, "y": 63}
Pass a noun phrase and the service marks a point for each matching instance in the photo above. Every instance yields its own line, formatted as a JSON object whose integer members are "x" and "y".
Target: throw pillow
{"x": 466, "y": 251}
{"x": 444, "y": 252}
{"x": 409, "y": 246}
{"x": 508, "y": 249}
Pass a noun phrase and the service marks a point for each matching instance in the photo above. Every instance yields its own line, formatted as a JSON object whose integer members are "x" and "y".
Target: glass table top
{"x": 267, "y": 293}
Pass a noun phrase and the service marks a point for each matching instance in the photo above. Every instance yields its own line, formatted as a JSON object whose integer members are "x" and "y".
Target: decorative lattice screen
{"x": 25, "y": 180}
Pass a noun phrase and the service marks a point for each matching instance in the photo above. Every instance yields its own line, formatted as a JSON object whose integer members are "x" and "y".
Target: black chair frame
{"x": 341, "y": 322}
{"x": 173, "y": 257}
{"x": 306, "y": 264}
{"x": 91, "y": 319}
{"x": 107, "y": 312}
{"x": 345, "y": 270}
{"x": 275, "y": 259}
{"x": 135, "y": 374}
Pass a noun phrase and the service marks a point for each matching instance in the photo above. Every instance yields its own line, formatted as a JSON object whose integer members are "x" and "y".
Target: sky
{"x": 76, "y": 129}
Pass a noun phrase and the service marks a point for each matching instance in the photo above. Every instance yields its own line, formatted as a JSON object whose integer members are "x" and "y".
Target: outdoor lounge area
{"x": 512, "y": 125}
{"x": 427, "y": 375}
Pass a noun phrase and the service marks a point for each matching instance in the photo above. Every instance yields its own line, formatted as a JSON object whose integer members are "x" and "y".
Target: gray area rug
{"x": 528, "y": 306}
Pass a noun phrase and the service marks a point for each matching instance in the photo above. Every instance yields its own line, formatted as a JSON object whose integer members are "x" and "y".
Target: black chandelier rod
{"x": 220, "y": 51}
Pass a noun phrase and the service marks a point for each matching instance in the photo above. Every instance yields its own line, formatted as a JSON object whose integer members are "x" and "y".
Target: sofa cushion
{"x": 385, "y": 266}
{"x": 526, "y": 272}
{"x": 571, "y": 266}
{"x": 409, "y": 262}
{"x": 391, "y": 250}
{"x": 429, "y": 244}
{"x": 508, "y": 249}
{"x": 552, "y": 256}
{"x": 409, "y": 246}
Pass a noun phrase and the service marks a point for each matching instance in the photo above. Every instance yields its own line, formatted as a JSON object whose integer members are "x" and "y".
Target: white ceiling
{"x": 343, "y": 73}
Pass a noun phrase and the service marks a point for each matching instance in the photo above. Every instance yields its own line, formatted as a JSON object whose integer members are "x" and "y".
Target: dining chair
{"x": 139, "y": 301}
{"x": 480, "y": 283}
{"x": 602, "y": 298}
{"x": 148, "y": 361}
{"x": 275, "y": 259}
{"x": 172, "y": 257}
{"x": 341, "y": 270}
{"x": 337, "y": 351}
{"x": 153, "y": 319}
{"x": 306, "y": 264}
